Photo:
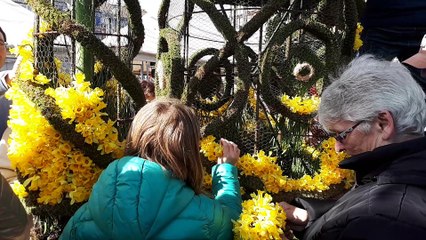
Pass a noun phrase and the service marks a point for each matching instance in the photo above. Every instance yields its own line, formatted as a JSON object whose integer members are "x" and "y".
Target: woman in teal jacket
{"x": 155, "y": 192}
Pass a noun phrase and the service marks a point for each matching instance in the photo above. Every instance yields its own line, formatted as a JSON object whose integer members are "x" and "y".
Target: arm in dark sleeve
{"x": 315, "y": 207}
{"x": 13, "y": 217}
{"x": 376, "y": 227}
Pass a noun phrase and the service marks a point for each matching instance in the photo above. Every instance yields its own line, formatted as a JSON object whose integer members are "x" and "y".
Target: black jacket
{"x": 395, "y": 13}
{"x": 388, "y": 201}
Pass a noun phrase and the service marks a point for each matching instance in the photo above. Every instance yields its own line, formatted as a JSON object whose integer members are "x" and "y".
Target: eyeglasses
{"x": 342, "y": 135}
{"x": 3, "y": 43}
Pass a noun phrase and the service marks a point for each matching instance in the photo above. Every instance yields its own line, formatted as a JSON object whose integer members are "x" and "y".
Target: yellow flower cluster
{"x": 26, "y": 71}
{"x": 82, "y": 105}
{"x": 264, "y": 167}
{"x": 211, "y": 150}
{"x": 301, "y": 105}
{"x": 19, "y": 189}
{"x": 98, "y": 67}
{"x": 49, "y": 164}
{"x": 330, "y": 173}
{"x": 260, "y": 219}
{"x": 358, "y": 42}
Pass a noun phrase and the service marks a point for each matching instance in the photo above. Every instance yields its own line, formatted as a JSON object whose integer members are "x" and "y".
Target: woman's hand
{"x": 231, "y": 152}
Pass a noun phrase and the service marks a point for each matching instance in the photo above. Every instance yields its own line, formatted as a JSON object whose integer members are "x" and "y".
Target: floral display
{"x": 265, "y": 168}
{"x": 57, "y": 171}
{"x": 52, "y": 167}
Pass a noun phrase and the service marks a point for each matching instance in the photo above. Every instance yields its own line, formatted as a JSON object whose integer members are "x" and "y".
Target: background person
{"x": 394, "y": 29}
{"x": 418, "y": 60}
{"x": 14, "y": 222}
{"x": 148, "y": 88}
{"x": 155, "y": 192}
{"x": 5, "y": 81}
{"x": 377, "y": 112}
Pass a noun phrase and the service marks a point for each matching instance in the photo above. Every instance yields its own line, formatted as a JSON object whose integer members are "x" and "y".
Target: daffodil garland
{"x": 260, "y": 218}
{"x": 48, "y": 163}
{"x": 301, "y": 105}
{"x": 264, "y": 167}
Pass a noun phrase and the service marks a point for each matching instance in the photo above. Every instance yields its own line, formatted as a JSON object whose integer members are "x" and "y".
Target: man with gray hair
{"x": 377, "y": 113}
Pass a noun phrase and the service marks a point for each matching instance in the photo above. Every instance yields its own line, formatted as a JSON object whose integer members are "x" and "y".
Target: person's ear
{"x": 386, "y": 125}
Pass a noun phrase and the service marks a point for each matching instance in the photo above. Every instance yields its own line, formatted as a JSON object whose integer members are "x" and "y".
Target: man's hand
{"x": 297, "y": 218}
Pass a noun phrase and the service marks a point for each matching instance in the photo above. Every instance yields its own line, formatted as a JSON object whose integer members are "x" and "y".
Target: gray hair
{"x": 369, "y": 86}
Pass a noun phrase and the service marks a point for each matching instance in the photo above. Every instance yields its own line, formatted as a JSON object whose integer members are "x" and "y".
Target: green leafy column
{"x": 85, "y": 15}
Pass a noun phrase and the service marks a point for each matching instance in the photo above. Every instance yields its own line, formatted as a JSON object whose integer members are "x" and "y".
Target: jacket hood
{"x": 403, "y": 162}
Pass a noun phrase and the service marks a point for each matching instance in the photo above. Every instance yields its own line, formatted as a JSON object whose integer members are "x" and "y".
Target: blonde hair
{"x": 167, "y": 132}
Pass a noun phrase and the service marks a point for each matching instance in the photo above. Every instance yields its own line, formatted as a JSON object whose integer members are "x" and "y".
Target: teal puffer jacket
{"x": 137, "y": 199}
